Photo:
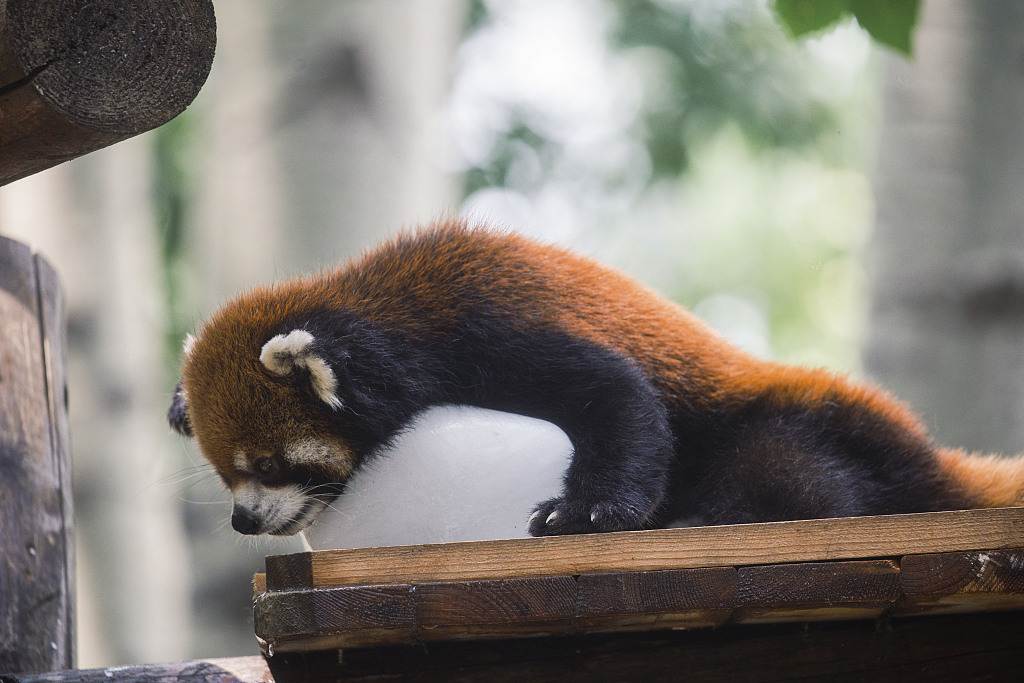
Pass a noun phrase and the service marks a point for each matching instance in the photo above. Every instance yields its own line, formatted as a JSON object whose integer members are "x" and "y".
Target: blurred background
{"x": 823, "y": 200}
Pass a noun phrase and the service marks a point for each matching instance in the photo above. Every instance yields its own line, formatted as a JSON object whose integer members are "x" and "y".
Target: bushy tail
{"x": 988, "y": 480}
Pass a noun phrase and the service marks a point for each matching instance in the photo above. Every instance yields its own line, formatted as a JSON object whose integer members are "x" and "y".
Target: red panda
{"x": 288, "y": 388}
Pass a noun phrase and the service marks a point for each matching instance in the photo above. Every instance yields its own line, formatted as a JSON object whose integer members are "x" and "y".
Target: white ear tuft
{"x": 286, "y": 352}
{"x": 188, "y": 344}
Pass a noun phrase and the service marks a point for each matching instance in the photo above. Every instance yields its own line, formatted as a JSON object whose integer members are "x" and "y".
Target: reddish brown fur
{"x": 541, "y": 284}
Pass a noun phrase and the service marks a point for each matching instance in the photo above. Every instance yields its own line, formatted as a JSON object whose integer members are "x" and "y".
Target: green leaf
{"x": 807, "y": 16}
{"x": 889, "y": 22}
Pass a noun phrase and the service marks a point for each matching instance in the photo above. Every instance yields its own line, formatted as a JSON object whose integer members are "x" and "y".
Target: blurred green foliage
{"x": 889, "y": 22}
{"x": 172, "y": 200}
{"x": 704, "y": 65}
{"x": 719, "y": 64}
{"x": 753, "y": 207}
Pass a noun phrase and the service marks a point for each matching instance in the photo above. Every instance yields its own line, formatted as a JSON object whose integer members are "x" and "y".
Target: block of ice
{"x": 458, "y": 474}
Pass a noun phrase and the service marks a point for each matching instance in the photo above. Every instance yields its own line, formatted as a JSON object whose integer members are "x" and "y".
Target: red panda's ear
{"x": 188, "y": 345}
{"x": 285, "y": 353}
{"x": 177, "y": 414}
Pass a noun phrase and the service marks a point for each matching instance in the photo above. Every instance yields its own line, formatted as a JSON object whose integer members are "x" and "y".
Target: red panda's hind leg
{"x": 770, "y": 480}
{"x": 834, "y": 460}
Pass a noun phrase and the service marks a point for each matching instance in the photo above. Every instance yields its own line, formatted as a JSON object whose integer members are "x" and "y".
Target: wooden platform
{"x": 818, "y": 570}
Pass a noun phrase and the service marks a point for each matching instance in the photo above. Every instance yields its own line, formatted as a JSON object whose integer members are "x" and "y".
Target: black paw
{"x": 559, "y": 516}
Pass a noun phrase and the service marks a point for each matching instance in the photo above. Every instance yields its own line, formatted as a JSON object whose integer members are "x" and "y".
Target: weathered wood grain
{"x": 488, "y": 609}
{"x": 817, "y": 591}
{"x": 36, "y": 539}
{"x": 294, "y": 570}
{"x": 357, "y": 615}
{"x": 53, "y": 324}
{"x": 78, "y": 75}
{"x": 672, "y": 598}
{"x": 962, "y": 582}
{"x": 717, "y": 546}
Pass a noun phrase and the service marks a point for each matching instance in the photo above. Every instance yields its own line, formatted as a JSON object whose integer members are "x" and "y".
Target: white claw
{"x": 551, "y": 517}
{"x": 534, "y": 516}
{"x": 593, "y": 516}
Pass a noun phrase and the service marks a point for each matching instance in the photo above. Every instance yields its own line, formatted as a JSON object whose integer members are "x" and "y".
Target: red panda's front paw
{"x": 559, "y": 516}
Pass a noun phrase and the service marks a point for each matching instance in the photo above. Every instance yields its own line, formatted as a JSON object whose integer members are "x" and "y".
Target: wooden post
{"x": 78, "y": 75}
{"x": 36, "y": 539}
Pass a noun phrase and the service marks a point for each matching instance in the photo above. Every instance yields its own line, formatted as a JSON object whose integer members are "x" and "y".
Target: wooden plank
{"x": 78, "y": 75}
{"x": 817, "y": 591}
{"x": 943, "y": 648}
{"x": 222, "y": 670}
{"x": 362, "y": 616}
{"x": 489, "y": 609}
{"x": 36, "y": 580}
{"x": 675, "y": 598}
{"x": 349, "y": 616}
{"x": 293, "y": 571}
{"x": 355, "y": 616}
{"x": 714, "y": 546}
{"x": 962, "y": 582}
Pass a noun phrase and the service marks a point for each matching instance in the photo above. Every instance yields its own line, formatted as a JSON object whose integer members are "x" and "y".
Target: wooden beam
{"x": 370, "y": 616}
{"x": 221, "y": 670}
{"x": 813, "y": 570}
{"x": 713, "y": 546}
{"x": 962, "y": 582}
{"x": 78, "y": 75}
{"x": 816, "y": 591}
{"x": 965, "y": 648}
{"x": 36, "y": 537}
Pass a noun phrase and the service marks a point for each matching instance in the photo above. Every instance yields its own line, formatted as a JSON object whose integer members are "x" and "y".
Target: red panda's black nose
{"x": 243, "y": 521}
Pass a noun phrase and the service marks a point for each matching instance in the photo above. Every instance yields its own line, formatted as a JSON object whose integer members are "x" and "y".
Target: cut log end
{"x": 111, "y": 65}
{"x": 79, "y": 75}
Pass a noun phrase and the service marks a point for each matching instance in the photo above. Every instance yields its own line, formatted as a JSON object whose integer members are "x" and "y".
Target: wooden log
{"x": 78, "y": 75}
{"x": 714, "y": 546}
{"x": 36, "y": 536}
{"x": 222, "y": 670}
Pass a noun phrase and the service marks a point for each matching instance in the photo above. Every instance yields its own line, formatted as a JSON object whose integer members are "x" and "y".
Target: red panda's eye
{"x": 265, "y": 468}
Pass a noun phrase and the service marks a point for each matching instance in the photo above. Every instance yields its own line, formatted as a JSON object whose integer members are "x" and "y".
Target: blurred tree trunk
{"x": 93, "y": 218}
{"x": 357, "y": 120}
{"x": 947, "y": 325}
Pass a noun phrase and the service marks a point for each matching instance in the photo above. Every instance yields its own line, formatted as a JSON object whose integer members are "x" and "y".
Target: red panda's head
{"x": 266, "y": 413}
